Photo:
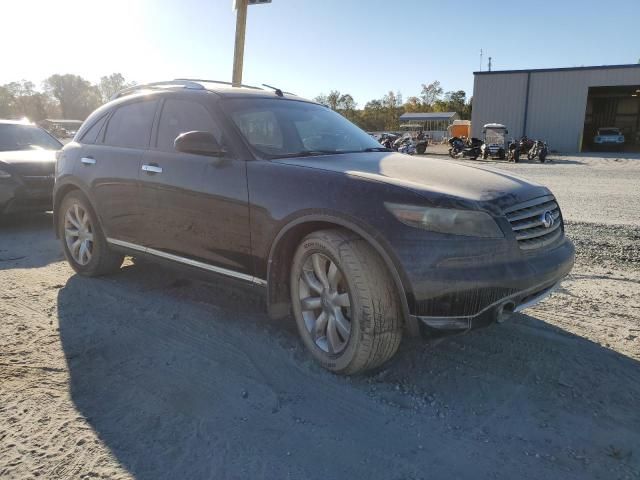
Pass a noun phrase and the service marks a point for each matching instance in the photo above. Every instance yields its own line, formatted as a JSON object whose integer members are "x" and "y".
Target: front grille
{"x": 528, "y": 223}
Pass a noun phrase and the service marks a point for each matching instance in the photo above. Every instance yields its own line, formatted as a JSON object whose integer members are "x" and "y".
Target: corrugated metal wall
{"x": 557, "y": 102}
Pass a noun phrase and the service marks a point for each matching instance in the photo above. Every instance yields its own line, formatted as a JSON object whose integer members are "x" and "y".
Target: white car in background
{"x": 608, "y": 137}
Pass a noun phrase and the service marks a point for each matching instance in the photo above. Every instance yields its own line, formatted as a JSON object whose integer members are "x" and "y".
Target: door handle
{"x": 151, "y": 168}
{"x": 88, "y": 160}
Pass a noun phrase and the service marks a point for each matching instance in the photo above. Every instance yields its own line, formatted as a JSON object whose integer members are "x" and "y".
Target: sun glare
{"x": 75, "y": 36}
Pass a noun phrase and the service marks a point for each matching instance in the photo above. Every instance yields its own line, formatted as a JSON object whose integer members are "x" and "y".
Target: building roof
{"x": 562, "y": 69}
{"x": 427, "y": 116}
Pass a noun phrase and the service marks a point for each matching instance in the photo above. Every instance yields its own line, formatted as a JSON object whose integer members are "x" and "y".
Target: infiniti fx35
{"x": 360, "y": 244}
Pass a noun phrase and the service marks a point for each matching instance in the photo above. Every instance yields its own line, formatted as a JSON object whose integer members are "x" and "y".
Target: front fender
{"x": 304, "y": 222}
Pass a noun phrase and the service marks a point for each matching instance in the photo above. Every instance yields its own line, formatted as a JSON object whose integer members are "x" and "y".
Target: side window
{"x": 130, "y": 125}
{"x": 91, "y": 135}
{"x": 180, "y": 116}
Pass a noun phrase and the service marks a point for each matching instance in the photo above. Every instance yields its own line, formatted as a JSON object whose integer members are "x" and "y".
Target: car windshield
{"x": 494, "y": 136}
{"x": 26, "y": 137}
{"x": 608, "y": 131}
{"x": 278, "y": 128}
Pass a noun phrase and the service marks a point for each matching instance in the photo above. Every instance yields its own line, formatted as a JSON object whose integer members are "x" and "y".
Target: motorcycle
{"x": 407, "y": 146}
{"x": 533, "y": 149}
{"x": 539, "y": 150}
{"x": 422, "y": 142}
{"x": 460, "y": 148}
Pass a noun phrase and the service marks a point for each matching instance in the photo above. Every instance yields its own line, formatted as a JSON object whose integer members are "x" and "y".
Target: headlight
{"x": 470, "y": 223}
{"x": 4, "y": 174}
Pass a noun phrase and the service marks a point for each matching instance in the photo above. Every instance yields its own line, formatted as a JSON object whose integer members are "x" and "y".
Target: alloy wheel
{"x": 78, "y": 233}
{"x": 325, "y": 303}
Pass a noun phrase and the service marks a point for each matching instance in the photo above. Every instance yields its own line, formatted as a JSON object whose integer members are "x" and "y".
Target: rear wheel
{"x": 345, "y": 303}
{"x": 83, "y": 241}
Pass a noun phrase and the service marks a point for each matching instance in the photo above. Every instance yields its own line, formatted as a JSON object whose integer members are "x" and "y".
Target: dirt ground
{"x": 151, "y": 374}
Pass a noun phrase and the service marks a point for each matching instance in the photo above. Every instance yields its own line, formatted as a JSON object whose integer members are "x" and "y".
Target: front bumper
{"x": 460, "y": 298}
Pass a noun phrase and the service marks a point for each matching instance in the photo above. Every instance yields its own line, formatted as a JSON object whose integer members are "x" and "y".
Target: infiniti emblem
{"x": 547, "y": 219}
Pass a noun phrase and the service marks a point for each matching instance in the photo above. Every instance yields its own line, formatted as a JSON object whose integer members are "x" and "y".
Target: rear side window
{"x": 91, "y": 136}
{"x": 130, "y": 125}
{"x": 180, "y": 116}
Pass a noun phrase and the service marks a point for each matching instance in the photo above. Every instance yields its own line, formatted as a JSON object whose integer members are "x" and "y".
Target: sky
{"x": 309, "y": 47}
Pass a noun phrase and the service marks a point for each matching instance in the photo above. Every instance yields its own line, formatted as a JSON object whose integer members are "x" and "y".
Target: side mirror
{"x": 199, "y": 143}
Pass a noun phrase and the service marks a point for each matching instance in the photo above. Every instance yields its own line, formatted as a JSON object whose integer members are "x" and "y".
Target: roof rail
{"x": 216, "y": 81}
{"x": 194, "y": 85}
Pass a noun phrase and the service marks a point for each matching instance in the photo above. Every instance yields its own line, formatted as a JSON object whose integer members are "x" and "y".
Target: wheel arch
{"x": 287, "y": 240}
{"x": 61, "y": 192}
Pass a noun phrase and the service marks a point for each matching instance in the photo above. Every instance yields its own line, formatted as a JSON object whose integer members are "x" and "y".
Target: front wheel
{"x": 83, "y": 242}
{"x": 543, "y": 156}
{"x": 344, "y": 301}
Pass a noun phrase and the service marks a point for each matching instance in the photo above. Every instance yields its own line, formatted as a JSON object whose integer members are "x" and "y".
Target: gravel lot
{"x": 151, "y": 374}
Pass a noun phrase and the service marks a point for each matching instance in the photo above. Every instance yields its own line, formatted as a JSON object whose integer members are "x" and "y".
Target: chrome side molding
{"x": 188, "y": 261}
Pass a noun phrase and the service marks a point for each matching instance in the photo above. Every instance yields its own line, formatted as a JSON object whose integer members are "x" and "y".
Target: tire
{"x": 542, "y": 157}
{"x": 501, "y": 154}
{"x": 374, "y": 315}
{"x": 420, "y": 149}
{"x": 101, "y": 260}
{"x": 485, "y": 155}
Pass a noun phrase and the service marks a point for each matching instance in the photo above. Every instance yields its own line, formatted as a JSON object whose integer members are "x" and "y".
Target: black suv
{"x": 360, "y": 243}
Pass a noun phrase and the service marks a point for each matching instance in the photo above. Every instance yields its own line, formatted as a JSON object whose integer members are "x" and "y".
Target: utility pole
{"x": 481, "y": 59}
{"x": 489, "y": 63}
{"x": 241, "y": 27}
{"x": 238, "y": 53}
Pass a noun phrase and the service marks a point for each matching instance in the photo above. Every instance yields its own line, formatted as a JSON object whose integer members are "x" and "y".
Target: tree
{"x": 431, "y": 93}
{"x": 112, "y": 84}
{"x": 372, "y": 117}
{"x": 341, "y": 103}
{"x": 333, "y": 99}
{"x": 413, "y": 105}
{"x": 20, "y": 99}
{"x": 322, "y": 100}
{"x": 76, "y": 96}
{"x": 391, "y": 105}
{"x": 7, "y": 102}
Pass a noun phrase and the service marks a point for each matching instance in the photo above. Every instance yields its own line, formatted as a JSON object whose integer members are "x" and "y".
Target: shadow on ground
{"x": 28, "y": 241}
{"x": 185, "y": 379}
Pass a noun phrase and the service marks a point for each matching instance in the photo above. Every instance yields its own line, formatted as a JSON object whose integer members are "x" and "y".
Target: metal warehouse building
{"x": 563, "y": 106}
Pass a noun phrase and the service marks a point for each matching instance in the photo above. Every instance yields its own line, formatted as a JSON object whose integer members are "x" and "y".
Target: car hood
{"x": 461, "y": 184}
{"x": 30, "y": 162}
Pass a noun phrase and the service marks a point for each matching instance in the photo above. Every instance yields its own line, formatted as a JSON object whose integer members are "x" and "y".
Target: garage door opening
{"x": 612, "y": 119}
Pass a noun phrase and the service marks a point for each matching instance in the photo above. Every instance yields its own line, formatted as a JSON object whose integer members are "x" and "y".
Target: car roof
{"x": 220, "y": 88}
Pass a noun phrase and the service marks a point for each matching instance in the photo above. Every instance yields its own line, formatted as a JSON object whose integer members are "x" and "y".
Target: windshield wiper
{"x": 307, "y": 153}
